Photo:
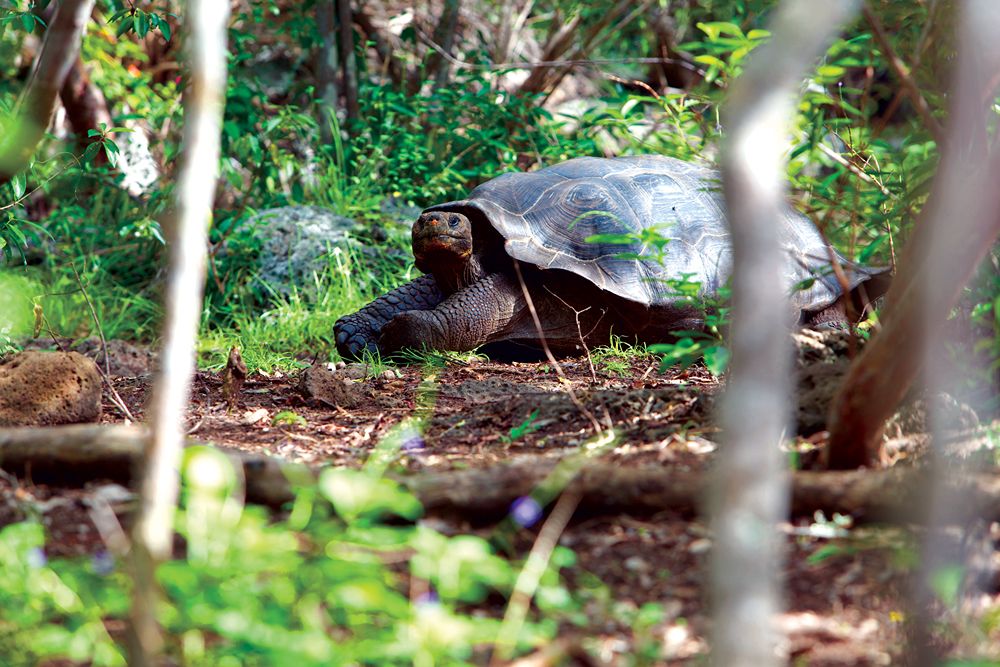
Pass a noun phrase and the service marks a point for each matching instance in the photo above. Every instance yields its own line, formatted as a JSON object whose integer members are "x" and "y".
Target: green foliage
{"x": 522, "y": 429}
{"x": 131, "y": 19}
{"x": 315, "y": 589}
{"x": 53, "y": 610}
{"x": 617, "y": 357}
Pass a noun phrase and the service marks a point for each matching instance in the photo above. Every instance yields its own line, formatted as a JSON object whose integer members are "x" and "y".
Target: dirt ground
{"x": 845, "y": 595}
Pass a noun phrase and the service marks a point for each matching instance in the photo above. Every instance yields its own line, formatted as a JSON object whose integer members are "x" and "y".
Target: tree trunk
{"x": 348, "y": 62}
{"x": 326, "y": 69}
{"x": 38, "y": 101}
{"x": 86, "y": 108}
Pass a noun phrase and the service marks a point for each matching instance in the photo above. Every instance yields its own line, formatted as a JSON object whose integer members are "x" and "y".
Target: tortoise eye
{"x": 453, "y": 221}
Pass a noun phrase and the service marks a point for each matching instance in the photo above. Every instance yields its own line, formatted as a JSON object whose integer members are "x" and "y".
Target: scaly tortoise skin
{"x": 583, "y": 289}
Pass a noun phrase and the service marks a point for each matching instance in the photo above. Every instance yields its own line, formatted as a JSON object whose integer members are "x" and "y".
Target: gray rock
{"x": 49, "y": 388}
{"x": 297, "y": 242}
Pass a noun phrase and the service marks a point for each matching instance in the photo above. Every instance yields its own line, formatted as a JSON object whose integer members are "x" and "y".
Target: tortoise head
{"x": 442, "y": 242}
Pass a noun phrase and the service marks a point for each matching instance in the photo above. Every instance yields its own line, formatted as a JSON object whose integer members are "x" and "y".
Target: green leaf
{"x": 28, "y": 21}
{"x": 141, "y": 24}
{"x": 165, "y": 29}
{"x": 830, "y": 71}
{"x": 111, "y": 151}
{"x": 355, "y": 494}
{"x": 711, "y": 61}
{"x": 757, "y": 34}
{"x": 716, "y": 28}
{"x": 18, "y": 182}
{"x": 717, "y": 359}
{"x": 946, "y": 582}
{"x": 123, "y": 27}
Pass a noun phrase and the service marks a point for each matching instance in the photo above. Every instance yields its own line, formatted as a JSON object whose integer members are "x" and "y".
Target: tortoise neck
{"x": 452, "y": 278}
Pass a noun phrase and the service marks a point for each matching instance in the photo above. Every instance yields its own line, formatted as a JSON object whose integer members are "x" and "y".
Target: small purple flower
{"x": 103, "y": 563}
{"x": 526, "y": 511}
{"x": 36, "y": 558}
{"x": 427, "y": 598}
{"x": 412, "y": 441}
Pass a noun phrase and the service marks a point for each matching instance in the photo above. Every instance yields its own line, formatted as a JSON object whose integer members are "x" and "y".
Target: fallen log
{"x": 76, "y": 454}
{"x": 81, "y": 453}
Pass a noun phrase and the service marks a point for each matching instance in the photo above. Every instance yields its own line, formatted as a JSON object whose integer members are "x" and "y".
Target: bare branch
{"x": 748, "y": 492}
{"x": 38, "y": 101}
{"x": 437, "y": 65}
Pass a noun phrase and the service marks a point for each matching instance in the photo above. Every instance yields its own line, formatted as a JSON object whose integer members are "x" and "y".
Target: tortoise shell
{"x": 603, "y": 218}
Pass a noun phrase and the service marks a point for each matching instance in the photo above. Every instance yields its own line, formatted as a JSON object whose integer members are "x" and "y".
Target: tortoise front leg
{"x": 359, "y": 331}
{"x": 468, "y": 318}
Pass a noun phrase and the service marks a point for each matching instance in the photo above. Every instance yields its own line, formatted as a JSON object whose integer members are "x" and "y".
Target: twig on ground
{"x": 551, "y": 357}
{"x": 105, "y": 372}
{"x": 579, "y": 331}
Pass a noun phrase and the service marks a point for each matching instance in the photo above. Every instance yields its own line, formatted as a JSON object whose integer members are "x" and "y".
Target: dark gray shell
{"x": 546, "y": 218}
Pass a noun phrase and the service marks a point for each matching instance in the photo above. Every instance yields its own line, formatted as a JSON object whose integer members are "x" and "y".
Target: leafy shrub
{"x": 340, "y": 581}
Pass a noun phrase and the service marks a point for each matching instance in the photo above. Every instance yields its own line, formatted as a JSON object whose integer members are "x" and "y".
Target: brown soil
{"x": 844, "y": 595}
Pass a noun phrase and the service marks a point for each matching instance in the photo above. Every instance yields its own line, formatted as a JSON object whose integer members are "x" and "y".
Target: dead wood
{"x": 77, "y": 454}
{"x": 383, "y": 45}
{"x": 437, "y": 67}
{"x": 80, "y": 453}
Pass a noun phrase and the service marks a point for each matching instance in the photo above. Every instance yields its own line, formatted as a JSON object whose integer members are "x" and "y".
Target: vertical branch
{"x": 444, "y": 36}
{"x": 348, "y": 62}
{"x": 326, "y": 67}
{"x": 204, "y": 98}
{"x": 962, "y": 225}
{"x": 34, "y": 109}
{"x": 748, "y": 491}
{"x": 956, "y": 229}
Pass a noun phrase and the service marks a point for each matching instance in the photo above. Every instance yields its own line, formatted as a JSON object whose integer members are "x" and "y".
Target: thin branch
{"x": 903, "y": 74}
{"x": 531, "y": 574}
{"x": 106, "y": 371}
{"x": 749, "y": 492}
{"x": 204, "y": 98}
{"x": 552, "y": 359}
{"x": 567, "y": 62}
{"x": 595, "y": 38}
{"x": 348, "y": 62}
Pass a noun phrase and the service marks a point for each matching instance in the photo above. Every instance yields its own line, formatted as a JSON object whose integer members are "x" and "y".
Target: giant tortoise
{"x": 601, "y": 246}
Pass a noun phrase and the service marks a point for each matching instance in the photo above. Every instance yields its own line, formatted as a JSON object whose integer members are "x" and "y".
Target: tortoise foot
{"x": 353, "y": 337}
{"x": 413, "y": 330}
